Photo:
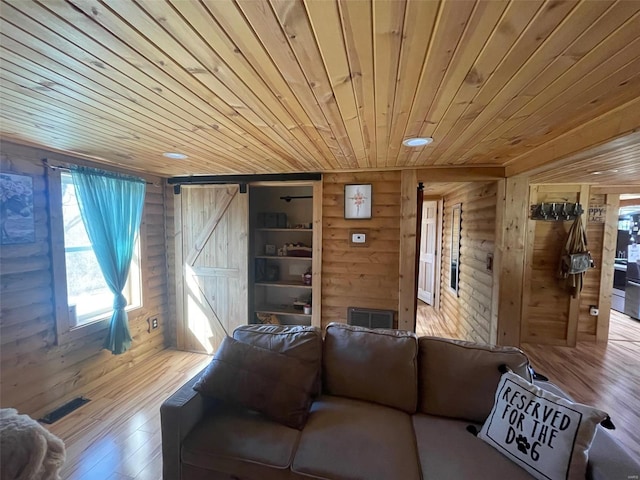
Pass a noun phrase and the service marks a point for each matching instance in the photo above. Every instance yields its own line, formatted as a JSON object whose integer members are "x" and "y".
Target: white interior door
{"x": 426, "y": 267}
{"x": 214, "y": 249}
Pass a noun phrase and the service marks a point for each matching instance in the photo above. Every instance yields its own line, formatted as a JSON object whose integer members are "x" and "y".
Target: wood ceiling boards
{"x": 252, "y": 86}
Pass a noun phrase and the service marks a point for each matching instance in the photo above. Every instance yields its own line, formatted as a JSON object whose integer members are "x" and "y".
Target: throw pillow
{"x": 547, "y": 435}
{"x": 301, "y": 342}
{"x": 271, "y": 383}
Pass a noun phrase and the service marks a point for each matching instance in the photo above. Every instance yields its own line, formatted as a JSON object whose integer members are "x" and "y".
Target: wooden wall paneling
{"x": 590, "y": 295}
{"x": 574, "y": 302}
{"x": 407, "y": 289}
{"x": 316, "y": 262}
{"x": 37, "y": 374}
{"x": 365, "y": 277}
{"x": 512, "y": 209}
{"x": 550, "y": 314}
{"x": 546, "y": 314}
{"x": 610, "y": 237}
{"x": 471, "y": 310}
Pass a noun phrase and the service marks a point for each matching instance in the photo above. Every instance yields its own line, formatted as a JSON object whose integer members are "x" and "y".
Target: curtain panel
{"x": 111, "y": 209}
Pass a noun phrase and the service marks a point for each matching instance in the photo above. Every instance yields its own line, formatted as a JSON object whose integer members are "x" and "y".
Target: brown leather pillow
{"x": 269, "y": 382}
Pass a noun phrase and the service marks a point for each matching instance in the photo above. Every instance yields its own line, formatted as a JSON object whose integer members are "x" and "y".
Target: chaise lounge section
{"x": 389, "y": 406}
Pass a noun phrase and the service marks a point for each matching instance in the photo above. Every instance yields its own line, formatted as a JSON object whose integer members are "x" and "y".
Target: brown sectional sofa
{"x": 392, "y": 407}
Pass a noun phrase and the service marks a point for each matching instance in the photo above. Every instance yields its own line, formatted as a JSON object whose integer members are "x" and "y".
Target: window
{"x": 83, "y": 302}
{"x": 88, "y": 296}
{"x": 456, "y": 227}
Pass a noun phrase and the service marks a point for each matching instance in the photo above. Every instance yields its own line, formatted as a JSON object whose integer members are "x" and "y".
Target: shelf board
{"x": 266, "y": 229}
{"x": 285, "y": 284}
{"x": 283, "y": 257}
{"x": 280, "y": 310}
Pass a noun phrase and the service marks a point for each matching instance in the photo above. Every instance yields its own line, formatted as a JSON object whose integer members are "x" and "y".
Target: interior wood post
{"x": 408, "y": 218}
{"x": 509, "y": 259}
{"x": 607, "y": 269}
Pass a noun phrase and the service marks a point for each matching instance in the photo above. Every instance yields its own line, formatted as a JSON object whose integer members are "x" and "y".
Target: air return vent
{"x": 370, "y": 318}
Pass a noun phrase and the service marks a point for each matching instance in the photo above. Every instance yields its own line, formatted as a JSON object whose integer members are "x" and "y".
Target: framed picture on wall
{"x": 16, "y": 205}
{"x": 357, "y": 201}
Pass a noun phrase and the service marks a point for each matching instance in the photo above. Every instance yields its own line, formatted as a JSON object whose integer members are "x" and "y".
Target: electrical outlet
{"x": 154, "y": 323}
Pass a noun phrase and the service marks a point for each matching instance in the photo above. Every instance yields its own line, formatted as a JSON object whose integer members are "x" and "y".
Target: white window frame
{"x": 65, "y": 331}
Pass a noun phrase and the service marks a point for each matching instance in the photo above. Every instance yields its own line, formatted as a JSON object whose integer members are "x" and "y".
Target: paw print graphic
{"x": 523, "y": 444}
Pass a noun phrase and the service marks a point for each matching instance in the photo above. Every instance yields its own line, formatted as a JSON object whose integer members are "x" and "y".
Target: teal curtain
{"x": 111, "y": 210}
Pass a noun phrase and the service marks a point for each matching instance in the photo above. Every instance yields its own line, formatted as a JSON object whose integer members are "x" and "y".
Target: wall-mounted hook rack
{"x": 556, "y": 211}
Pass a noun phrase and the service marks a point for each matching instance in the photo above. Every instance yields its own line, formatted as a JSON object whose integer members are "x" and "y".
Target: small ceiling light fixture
{"x": 175, "y": 155}
{"x": 597, "y": 173}
{"x": 417, "y": 141}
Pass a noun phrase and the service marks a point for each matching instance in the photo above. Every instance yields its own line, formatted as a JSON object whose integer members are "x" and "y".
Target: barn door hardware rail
{"x": 241, "y": 180}
{"x": 288, "y": 198}
{"x": 556, "y": 211}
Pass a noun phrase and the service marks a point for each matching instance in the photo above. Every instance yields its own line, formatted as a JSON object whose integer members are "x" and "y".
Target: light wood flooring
{"x": 606, "y": 376}
{"x": 116, "y": 436}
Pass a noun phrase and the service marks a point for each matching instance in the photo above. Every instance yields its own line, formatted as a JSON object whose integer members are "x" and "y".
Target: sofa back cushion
{"x": 378, "y": 366}
{"x": 303, "y": 343}
{"x": 458, "y": 379}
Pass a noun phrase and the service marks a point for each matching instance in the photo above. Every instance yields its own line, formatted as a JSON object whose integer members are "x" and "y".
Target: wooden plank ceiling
{"x": 250, "y": 86}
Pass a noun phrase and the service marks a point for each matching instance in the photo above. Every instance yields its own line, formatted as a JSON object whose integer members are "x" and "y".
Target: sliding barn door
{"x": 213, "y": 241}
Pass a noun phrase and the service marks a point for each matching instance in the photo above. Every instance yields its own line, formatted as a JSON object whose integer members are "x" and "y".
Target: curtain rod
{"x": 67, "y": 169}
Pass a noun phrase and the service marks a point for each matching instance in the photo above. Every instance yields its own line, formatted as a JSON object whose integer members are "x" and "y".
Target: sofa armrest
{"x": 178, "y": 415}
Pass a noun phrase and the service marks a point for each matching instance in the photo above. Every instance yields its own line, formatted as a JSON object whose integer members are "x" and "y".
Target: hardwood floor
{"x": 116, "y": 436}
{"x": 606, "y": 376}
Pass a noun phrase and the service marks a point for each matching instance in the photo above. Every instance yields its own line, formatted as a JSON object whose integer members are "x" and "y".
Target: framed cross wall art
{"x": 357, "y": 202}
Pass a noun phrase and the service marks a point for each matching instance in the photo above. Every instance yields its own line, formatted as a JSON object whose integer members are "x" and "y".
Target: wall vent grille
{"x": 370, "y": 318}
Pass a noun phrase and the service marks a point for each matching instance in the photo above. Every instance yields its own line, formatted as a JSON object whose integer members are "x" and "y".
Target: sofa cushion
{"x": 269, "y": 382}
{"x": 448, "y": 450}
{"x": 547, "y": 435}
{"x": 236, "y": 441}
{"x": 458, "y": 379}
{"x": 301, "y": 342}
{"x": 349, "y": 439}
{"x": 373, "y": 365}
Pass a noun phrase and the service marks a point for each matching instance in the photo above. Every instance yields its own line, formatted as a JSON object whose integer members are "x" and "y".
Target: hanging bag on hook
{"x": 577, "y": 262}
{"x": 576, "y": 259}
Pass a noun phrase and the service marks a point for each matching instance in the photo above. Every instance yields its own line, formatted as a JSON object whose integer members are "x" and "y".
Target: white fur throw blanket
{"x": 28, "y": 451}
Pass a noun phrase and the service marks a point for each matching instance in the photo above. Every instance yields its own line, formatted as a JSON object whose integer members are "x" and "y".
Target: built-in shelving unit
{"x": 277, "y": 284}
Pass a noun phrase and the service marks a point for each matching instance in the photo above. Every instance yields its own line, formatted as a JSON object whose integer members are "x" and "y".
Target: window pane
{"x": 86, "y": 287}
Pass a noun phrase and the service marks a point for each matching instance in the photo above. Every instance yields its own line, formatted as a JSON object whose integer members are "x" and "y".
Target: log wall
{"x": 469, "y": 313}
{"x": 37, "y": 374}
{"x": 352, "y": 276}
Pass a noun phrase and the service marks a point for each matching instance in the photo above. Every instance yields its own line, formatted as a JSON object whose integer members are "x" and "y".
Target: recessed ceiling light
{"x": 175, "y": 155}
{"x": 596, "y": 173}
{"x": 417, "y": 142}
